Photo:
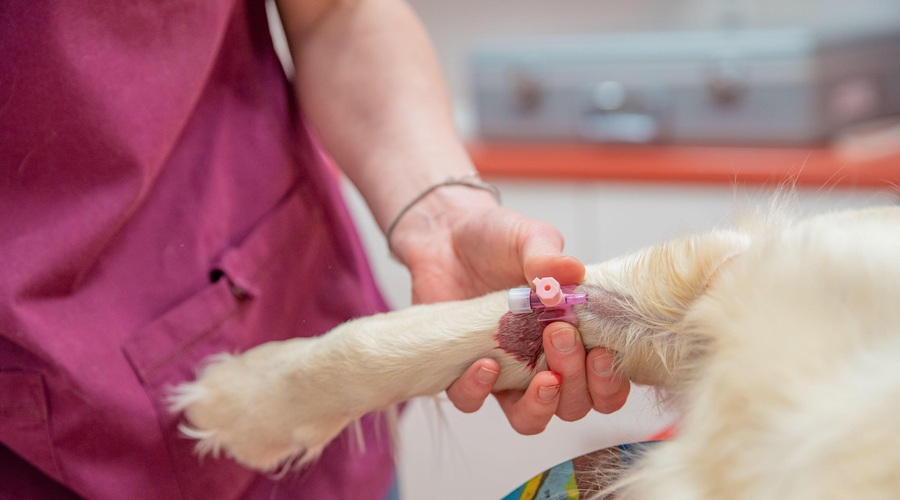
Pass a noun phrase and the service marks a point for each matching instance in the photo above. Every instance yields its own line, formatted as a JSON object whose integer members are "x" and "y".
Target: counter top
{"x": 812, "y": 166}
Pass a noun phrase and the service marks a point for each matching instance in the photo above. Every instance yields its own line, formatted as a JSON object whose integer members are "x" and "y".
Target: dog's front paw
{"x": 258, "y": 408}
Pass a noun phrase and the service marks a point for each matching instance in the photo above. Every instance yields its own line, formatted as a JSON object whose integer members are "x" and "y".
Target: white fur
{"x": 780, "y": 344}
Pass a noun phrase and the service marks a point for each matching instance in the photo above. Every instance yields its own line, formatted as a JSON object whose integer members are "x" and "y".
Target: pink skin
{"x": 522, "y": 336}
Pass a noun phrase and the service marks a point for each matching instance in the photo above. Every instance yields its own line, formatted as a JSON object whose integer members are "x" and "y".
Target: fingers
{"x": 563, "y": 392}
{"x": 531, "y": 411}
{"x": 541, "y": 248}
{"x": 566, "y": 356}
{"x": 528, "y": 412}
{"x": 470, "y": 390}
{"x": 578, "y": 384}
{"x": 608, "y": 389}
{"x": 567, "y": 270}
{"x": 588, "y": 382}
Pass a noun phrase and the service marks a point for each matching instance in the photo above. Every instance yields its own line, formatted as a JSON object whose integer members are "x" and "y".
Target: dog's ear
{"x": 636, "y": 303}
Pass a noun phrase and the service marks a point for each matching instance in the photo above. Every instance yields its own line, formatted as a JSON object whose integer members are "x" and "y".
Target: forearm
{"x": 370, "y": 85}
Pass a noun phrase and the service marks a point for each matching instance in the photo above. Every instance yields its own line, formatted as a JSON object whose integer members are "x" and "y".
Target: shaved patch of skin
{"x": 522, "y": 336}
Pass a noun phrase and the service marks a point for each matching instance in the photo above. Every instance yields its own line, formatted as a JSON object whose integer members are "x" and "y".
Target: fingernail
{"x": 603, "y": 364}
{"x": 548, "y": 392}
{"x": 563, "y": 340}
{"x": 486, "y": 375}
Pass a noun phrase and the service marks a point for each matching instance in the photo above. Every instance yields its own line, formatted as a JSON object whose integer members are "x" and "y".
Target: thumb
{"x": 541, "y": 248}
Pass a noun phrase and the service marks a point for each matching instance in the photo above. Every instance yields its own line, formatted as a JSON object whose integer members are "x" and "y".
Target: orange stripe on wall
{"x": 814, "y": 166}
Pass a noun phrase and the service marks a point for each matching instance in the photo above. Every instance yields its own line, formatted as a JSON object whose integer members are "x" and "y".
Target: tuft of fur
{"x": 796, "y": 389}
{"x": 777, "y": 341}
{"x": 651, "y": 291}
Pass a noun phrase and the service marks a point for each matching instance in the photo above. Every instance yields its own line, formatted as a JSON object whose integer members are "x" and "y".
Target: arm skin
{"x": 371, "y": 87}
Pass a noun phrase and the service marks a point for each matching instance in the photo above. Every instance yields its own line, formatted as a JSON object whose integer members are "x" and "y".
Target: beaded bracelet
{"x": 471, "y": 180}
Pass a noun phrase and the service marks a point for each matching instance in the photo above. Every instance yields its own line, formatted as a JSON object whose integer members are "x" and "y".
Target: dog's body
{"x": 780, "y": 345}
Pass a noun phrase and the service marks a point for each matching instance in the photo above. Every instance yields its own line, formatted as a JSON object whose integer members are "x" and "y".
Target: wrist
{"x": 429, "y": 219}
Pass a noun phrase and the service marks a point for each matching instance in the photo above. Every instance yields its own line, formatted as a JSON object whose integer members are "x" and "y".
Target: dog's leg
{"x": 638, "y": 302}
{"x": 283, "y": 399}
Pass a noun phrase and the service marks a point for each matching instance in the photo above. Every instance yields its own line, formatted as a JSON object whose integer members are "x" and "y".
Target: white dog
{"x": 779, "y": 343}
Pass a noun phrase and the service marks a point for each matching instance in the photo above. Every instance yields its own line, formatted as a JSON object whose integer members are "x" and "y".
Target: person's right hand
{"x": 575, "y": 383}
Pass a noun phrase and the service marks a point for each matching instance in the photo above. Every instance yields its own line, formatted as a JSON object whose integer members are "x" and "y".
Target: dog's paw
{"x": 258, "y": 408}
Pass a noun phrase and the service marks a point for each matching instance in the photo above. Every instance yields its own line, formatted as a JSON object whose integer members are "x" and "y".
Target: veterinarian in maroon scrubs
{"x": 162, "y": 200}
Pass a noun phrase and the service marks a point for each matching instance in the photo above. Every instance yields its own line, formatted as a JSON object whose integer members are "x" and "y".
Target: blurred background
{"x": 460, "y": 29}
{"x": 628, "y": 123}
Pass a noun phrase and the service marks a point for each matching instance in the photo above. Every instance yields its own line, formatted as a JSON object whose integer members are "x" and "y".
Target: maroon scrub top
{"x": 160, "y": 201}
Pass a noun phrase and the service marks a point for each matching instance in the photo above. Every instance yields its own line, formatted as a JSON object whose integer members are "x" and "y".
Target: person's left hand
{"x": 472, "y": 251}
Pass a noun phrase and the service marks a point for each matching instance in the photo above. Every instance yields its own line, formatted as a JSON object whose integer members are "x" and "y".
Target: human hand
{"x": 478, "y": 247}
{"x": 576, "y": 383}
